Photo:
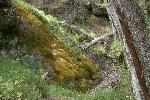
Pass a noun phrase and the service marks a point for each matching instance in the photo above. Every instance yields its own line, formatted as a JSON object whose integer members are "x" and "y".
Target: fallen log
{"x": 95, "y": 40}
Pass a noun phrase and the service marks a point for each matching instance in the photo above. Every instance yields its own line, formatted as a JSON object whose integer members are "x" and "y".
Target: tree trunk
{"x": 136, "y": 44}
{"x": 116, "y": 27}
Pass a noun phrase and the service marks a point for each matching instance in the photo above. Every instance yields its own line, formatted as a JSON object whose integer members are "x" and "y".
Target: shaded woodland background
{"x": 63, "y": 50}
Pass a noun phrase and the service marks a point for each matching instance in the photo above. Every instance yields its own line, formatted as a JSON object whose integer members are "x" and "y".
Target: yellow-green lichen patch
{"x": 82, "y": 73}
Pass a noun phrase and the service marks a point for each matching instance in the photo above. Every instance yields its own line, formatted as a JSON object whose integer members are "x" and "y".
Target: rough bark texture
{"x": 135, "y": 35}
{"x": 116, "y": 27}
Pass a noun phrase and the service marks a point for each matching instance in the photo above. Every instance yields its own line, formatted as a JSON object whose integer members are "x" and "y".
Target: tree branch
{"x": 85, "y": 46}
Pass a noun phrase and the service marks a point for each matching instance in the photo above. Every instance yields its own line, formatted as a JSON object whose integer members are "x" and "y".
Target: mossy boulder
{"x": 65, "y": 68}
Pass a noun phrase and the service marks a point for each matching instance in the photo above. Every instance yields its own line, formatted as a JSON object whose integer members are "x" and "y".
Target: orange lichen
{"x": 66, "y": 68}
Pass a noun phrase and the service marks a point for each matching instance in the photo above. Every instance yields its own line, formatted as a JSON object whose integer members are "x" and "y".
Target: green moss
{"x": 116, "y": 49}
{"x": 66, "y": 67}
{"x": 19, "y": 82}
{"x": 98, "y": 49}
{"x": 16, "y": 81}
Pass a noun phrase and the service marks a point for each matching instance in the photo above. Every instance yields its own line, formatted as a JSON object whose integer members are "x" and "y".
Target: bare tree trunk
{"x": 116, "y": 27}
{"x": 136, "y": 44}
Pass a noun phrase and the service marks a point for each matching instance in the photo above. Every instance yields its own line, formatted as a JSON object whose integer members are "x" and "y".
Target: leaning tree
{"x": 128, "y": 20}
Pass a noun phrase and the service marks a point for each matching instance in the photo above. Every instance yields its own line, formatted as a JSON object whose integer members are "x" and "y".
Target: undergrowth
{"x": 19, "y": 82}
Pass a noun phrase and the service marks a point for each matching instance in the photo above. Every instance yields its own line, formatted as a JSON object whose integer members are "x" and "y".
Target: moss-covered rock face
{"x": 65, "y": 69}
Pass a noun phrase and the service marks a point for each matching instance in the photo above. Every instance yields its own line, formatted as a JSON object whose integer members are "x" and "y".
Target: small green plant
{"x": 98, "y": 49}
{"x": 13, "y": 43}
{"x": 116, "y": 49}
{"x": 30, "y": 62}
{"x": 76, "y": 37}
{"x": 87, "y": 19}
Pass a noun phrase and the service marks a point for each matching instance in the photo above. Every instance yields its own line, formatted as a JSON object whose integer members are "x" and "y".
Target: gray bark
{"x": 116, "y": 28}
{"x": 136, "y": 44}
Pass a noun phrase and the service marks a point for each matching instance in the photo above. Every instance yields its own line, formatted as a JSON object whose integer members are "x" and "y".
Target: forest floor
{"x": 113, "y": 86}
